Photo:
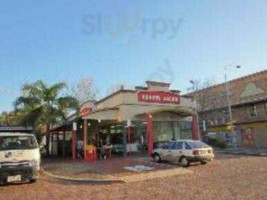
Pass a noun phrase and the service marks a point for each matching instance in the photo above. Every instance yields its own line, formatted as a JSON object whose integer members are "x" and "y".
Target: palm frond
{"x": 68, "y": 102}
{"x": 34, "y": 89}
{"x": 30, "y": 117}
{"x": 52, "y": 92}
{"x": 26, "y": 102}
{"x": 40, "y": 104}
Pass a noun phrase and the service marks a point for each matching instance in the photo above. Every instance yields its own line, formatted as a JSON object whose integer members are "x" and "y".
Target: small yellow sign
{"x": 90, "y": 147}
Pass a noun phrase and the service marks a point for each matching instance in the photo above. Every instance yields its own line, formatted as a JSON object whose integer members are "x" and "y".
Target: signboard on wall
{"x": 158, "y": 97}
{"x": 85, "y": 111}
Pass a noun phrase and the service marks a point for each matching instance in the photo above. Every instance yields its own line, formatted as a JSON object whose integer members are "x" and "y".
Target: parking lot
{"x": 228, "y": 177}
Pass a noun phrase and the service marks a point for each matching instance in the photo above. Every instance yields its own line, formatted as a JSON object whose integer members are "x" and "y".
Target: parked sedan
{"x": 184, "y": 152}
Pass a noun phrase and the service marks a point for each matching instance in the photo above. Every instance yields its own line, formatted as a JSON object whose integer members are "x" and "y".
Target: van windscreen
{"x": 17, "y": 142}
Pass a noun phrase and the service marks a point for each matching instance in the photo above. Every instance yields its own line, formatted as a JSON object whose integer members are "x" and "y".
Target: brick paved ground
{"x": 240, "y": 177}
{"x": 103, "y": 169}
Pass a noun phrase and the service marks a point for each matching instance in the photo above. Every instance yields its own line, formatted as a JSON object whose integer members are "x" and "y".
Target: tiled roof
{"x": 247, "y": 89}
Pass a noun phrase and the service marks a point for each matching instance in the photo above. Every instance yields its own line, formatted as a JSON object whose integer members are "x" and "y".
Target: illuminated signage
{"x": 85, "y": 111}
{"x": 158, "y": 97}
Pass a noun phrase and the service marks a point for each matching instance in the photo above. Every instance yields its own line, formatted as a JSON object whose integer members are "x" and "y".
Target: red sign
{"x": 249, "y": 136}
{"x": 158, "y": 97}
{"x": 85, "y": 111}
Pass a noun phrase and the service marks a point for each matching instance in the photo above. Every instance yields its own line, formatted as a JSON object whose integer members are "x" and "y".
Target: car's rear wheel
{"x": 33, "y": 180}
{"x": 157, "y": 157}
{"x": 184, "y": 162}
{"x": 3, "y": 182}
{"x": 203, "y": 162}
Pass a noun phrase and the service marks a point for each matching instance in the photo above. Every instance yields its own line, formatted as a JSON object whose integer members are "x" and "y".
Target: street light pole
{"x": 229, "y": 103}
{"x": 228, "y": 96}
{"x": 196, "y": 104}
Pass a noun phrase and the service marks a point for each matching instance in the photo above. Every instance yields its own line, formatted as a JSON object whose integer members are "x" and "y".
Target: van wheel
{"x": 184, "y": 162}
{"x": 157, "y": 157}
{"x": 3, "y": 183}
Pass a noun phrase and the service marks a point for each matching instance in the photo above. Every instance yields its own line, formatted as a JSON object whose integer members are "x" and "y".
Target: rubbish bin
{"x": 90, "y": 153}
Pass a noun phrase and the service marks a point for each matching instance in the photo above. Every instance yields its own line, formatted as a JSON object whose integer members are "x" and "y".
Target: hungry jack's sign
{"x": 158, "y": 97}
{"x": 85, "y": 111}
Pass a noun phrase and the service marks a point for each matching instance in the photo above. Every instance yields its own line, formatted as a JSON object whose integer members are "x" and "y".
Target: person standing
{"x": 80, "y": 149}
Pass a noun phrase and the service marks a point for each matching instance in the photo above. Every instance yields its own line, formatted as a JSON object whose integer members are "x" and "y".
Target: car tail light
{"x": 195, "y": 152}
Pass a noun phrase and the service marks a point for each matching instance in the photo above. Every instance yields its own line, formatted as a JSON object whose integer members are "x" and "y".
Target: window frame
{"x": 252, "y": 109}
{"x": 174, "y": 146}
{"x": 186, "y": 144}
{"x": 167, "y": 147}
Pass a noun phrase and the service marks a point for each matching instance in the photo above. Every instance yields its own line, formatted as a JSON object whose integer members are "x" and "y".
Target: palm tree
{"x": 43, "y": 105}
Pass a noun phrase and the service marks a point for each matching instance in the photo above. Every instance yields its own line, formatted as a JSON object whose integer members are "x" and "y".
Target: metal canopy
{"x": 179, "y": 110}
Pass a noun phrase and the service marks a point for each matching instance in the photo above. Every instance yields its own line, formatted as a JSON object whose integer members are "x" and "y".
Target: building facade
{"x": 132, "y": 121}
{"x": 248, "y": 97}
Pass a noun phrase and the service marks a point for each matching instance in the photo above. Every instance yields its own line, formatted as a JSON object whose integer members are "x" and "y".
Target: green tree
{"x": 6, "y": 119}
{"x": 43, "y": 105}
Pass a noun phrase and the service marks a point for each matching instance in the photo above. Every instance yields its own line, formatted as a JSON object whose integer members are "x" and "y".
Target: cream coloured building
{"x": 133, "y": 121}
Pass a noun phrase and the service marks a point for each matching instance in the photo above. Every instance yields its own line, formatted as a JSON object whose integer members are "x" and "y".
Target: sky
{"x": 128, "y": 42}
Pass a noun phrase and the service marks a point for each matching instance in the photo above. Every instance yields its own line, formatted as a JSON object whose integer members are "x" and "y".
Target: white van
{"x": 19, "y": 158}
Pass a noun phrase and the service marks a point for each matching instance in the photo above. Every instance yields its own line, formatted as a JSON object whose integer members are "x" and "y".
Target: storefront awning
{"x": 254, "y": 125}
{"x": 104, "y": 114}
{"x": 224, "y": 128}
{"x": 245, "y": 125}
{"x": 180, "y": 110}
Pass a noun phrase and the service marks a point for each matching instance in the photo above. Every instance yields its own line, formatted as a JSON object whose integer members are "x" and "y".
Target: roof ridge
{"x": 231, "y": 81}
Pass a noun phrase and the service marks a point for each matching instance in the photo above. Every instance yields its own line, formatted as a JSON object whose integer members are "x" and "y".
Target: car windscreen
{"x": 197, "y": 145}
{"x": 17, "y": 142}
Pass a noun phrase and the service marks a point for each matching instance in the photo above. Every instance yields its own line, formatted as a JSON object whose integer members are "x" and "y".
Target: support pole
{"x": 64, "y": 144}
{"x": 48, "y": 140}
{"x": 74, "y": 143}
{"x": 57, "y": 134}
{"x": 52, "y": 143}
{"x": 149, "y": 134}
{"x": 85, "y": 140}
{"x": 129, "y": 139}
{"x": 124, "y": 142}
{"x": 195, "y": 128}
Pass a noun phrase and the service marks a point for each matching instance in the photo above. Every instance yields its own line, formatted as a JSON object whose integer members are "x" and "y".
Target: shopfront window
{"x": 186, "y": 130}
{"x": 177, "y": 130}
{"x": 166, "y": 131}
{"x": 163, "y": 131}
{"x": 252, "y": 111}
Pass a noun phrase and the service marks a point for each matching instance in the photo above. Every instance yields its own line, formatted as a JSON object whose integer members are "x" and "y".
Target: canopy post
{"x": 149, "y": 133}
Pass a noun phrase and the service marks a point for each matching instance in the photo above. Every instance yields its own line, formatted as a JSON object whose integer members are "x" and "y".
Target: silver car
{"x": 184, "y": 152}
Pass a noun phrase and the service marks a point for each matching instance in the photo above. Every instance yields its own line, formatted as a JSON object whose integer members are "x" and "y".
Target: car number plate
{"x": 13, "y": 178}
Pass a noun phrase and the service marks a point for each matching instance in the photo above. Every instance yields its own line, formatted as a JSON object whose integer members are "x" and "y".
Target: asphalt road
{"x": 238, "y": 177}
